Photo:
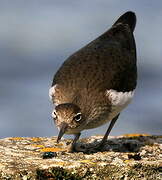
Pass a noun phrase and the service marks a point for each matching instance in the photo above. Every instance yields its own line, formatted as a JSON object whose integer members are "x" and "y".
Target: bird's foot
{"x": 97, "y": 147}
{"x": 71, "y": 148}
{"x": 87, "y": 148}
{"x": 76, "y": 148}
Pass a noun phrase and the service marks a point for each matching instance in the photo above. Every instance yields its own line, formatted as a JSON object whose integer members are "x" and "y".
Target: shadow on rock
{"x": 121, "y": 144}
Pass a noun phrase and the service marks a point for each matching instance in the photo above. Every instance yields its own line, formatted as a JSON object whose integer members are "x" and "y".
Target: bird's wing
{"x": 108, "y": 62}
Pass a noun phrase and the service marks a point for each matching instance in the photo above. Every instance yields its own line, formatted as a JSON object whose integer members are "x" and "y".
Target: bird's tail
{"x": 127, "y": 18}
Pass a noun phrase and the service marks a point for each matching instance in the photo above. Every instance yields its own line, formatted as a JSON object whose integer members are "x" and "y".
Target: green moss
{"x": 148, "y": 172}
{"x": 57, "y": 173}
{"x": 109, "y": 172}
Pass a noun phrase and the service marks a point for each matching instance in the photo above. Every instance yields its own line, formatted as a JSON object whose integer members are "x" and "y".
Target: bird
{"x": 97, "y": 82}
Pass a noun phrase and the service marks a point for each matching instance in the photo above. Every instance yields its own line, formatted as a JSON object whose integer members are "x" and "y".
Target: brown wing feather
{"x": 108, "y": 62}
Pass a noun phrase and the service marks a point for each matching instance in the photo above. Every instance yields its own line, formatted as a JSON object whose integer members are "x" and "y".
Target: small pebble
{"x": 49, "y": 155}
{"x": 135, "y": 157}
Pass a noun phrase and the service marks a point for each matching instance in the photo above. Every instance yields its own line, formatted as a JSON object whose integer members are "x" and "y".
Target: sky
{"x": 37, "y": 36}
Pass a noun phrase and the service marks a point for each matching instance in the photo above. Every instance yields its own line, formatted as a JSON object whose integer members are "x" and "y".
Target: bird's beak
{"x": 62, "y": 131}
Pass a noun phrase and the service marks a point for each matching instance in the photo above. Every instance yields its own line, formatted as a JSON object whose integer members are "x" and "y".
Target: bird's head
{"x": 68, "y": 118}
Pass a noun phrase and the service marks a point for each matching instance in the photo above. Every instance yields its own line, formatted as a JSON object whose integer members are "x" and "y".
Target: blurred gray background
{"x": 37, "y": 36}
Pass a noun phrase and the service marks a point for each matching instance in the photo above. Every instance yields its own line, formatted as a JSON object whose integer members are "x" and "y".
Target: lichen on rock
{"x": 123, "y": 157}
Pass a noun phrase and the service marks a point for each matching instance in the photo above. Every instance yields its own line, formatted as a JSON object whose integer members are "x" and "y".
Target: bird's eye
{"x": 78, "y": 117}
{"x": 54, "y": 115}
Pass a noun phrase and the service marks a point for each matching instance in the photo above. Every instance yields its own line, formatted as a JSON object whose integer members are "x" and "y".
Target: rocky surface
{"x": 124, "y": 157}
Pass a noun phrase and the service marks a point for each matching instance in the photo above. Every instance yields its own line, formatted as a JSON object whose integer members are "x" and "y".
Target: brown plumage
{"x": 90, "y": 80}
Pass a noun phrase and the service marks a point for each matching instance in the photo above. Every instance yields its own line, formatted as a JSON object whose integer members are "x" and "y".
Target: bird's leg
{"x": 104, "y": 139}
{"x": 72, "y": 145}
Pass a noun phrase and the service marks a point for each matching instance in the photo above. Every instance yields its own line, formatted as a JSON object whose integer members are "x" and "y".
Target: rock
{"x": 123, "y": 157}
